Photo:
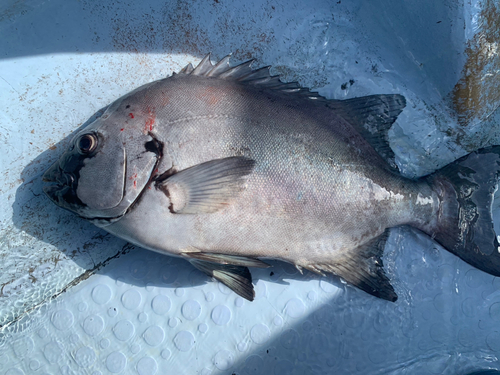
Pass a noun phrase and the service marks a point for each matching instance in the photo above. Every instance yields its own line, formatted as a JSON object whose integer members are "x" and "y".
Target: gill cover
{"x": 107, "y": 165}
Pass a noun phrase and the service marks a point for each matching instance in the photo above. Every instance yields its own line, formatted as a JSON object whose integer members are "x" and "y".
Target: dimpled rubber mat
{"x": 76, "y": 300}
{"x": 145, "y": 313}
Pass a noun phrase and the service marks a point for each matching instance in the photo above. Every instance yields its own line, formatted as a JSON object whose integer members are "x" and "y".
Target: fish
{"x": 227, "y": 166}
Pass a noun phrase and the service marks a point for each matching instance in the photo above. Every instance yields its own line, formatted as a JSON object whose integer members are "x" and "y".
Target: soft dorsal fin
{"x": 245, "y": 73}
{"x": 372, "y": 116}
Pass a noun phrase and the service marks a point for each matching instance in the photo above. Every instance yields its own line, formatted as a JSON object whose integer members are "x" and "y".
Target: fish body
{"x": 228, "y": 166}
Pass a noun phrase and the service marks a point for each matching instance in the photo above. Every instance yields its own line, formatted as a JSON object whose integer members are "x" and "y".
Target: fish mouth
{"x": 61, "y": 185}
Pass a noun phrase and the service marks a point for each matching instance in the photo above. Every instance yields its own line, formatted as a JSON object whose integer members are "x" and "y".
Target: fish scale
{"x": 226, "y": 166}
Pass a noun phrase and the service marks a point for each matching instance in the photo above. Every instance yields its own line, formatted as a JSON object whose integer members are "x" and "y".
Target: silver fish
{"x": 225, "y": 166}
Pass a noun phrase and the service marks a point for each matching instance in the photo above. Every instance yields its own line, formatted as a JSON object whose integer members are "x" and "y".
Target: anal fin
{"x": 363, "y": 268}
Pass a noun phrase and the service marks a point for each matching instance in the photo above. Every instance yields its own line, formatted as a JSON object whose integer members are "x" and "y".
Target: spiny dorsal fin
{"x": 245, "y": 73}
{"x": 372, "y": 116}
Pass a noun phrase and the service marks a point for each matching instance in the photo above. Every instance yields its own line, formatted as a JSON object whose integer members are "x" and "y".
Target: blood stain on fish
{"x": 150, "y": 120}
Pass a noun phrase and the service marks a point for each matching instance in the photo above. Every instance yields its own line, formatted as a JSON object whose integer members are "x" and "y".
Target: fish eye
{"x": 87, "y": 143}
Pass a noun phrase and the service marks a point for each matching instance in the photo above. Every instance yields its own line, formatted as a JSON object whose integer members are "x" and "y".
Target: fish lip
{"x": 58, "y": 182}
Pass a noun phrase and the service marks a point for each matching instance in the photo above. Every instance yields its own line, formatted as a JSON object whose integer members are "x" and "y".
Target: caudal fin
{"x": 464, "y": 224}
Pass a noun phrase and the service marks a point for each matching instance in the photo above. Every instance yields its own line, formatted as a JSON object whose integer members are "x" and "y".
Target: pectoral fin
{"x": 236, "y": 278}
{"x": 363, "y": 268}
{"x": 206, "y": 187}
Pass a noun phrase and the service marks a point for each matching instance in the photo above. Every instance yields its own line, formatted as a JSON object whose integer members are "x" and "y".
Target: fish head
{"x": 107, "y": 164}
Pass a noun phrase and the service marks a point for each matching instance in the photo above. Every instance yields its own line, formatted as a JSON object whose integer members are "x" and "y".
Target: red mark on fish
{"x": 131, "y": 115}
{"x": 150, "y": 120}
{"x": 134, "y": 178}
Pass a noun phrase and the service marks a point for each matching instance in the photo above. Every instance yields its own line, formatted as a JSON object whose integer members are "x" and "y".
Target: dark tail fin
{"x": 465, "y": 225}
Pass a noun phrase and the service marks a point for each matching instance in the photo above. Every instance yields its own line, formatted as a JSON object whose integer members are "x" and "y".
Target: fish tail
{"x": 464, "y": 224}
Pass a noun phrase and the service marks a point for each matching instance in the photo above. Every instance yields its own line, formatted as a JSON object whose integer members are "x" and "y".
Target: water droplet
{"x": 290, "y": 339}
{"x": 203, "y": 328}
{"x": 23, "y": 347}
{"x": 169, "y": 274}
{"x": 124, "y": 330}
{"x": 116, "y": 362}
{"x": 318, "y": 342}
{"x": 135, "y": 348}
{"x": 295, "y": 308}
{"x": 62, "y": 319}
{"x": 85, "y": 357}
{"x": 154, "y": 336}
{"x": 224, "y": 360}
{"x": 112, "y": 312}
{"x": 467, "y": 336}
{"x": 93, "y": 325}
{"x": 224, "y": 289}
{"x": 238, "y": 302}
{"x": 495, "y": 311}
{"x": 138, "y": 269}
{"x": 179, "y": 292}
{"x": 469, "y": 307}
{"x": 34, "y": 365}
{"x": 255, "y": 365}
{"x": 42, "y": 333}
{"x": 260, "y": 333}
{"x": 101, "y": 294}
{"x": 184, "y": 341}
{"x": 147, "y": 366}
{"x": 82, "y": 306}
{"x": 131, "y": 299}
{"x": 172, "y": 322}
{"x": 474, "y": 278}
{"x": 278, "y": 320}
{"x": 191, "y": 309}
{"x": 165, "y": 354}
{"x": 209, "y": 296}
{"x": 242, "y": 346}
{"x": 493, "y": 341}
{"x": 327, "y": 286}
{"x": 104, "y": 343}
{"x": 52, "y": 352}
{"x": 260, "y": 289}
{"x": 142, "y": 317}
{"x": 161, "y": 304}
{"x": 311, "y": 295}
{"x": 221, "y": 315}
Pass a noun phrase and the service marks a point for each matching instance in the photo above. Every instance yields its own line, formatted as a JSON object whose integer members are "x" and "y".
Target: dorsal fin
{"x": 244, "y": 73}
{"x": 372, "y": 116}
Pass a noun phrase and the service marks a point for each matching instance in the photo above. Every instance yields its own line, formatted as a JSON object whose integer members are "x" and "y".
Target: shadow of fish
{"x": 225, "y": 166}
